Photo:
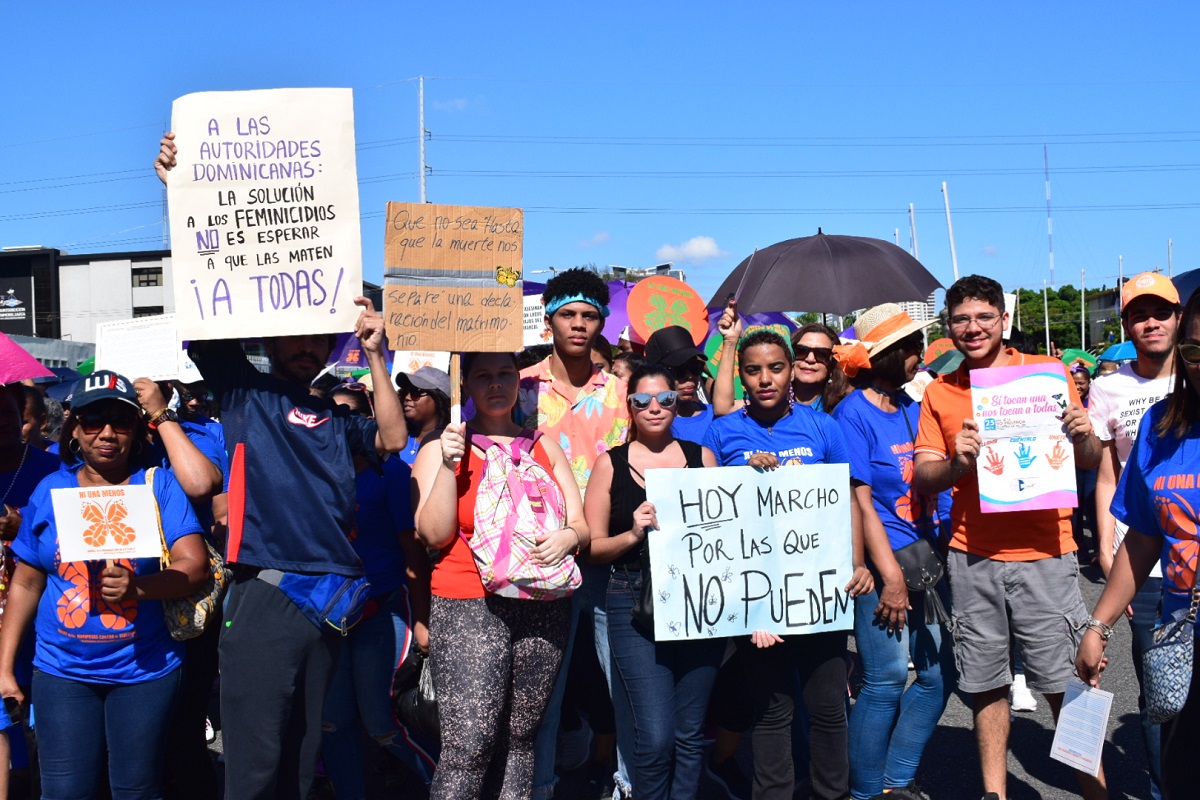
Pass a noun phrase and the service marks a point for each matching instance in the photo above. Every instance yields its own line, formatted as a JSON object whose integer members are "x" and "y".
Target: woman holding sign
{"x": 1157, "y": 498}
{"x": 892, "y": 721}
{"x": 773, "y": 431}
{"x": 494, "y": 647}
{"x": 106, "y": 669}
{"x": 668, "y": 683}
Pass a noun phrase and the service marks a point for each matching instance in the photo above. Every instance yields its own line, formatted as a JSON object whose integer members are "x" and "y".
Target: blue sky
{"x": 636, "y": 132}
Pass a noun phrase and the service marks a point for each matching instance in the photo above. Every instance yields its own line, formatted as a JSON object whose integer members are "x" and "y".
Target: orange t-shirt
{"x": 455, "y": 575}
{"x": 1011, "y": 536}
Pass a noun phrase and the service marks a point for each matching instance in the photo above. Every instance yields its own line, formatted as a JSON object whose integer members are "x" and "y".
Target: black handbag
{"x": 920, "y": 562}
{"x": 643, "y": 606}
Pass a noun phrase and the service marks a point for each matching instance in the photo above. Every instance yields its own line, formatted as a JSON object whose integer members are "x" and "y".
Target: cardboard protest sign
{"x": 739, "y": 550}
{"x": 144, "y": 347}
{"x": 452, "y": 277}
{"x": 101, "y": 522}
{"x": 1027, "y": 461}
{"x": 264, "y": 213}
{"x": 661, "y": 301}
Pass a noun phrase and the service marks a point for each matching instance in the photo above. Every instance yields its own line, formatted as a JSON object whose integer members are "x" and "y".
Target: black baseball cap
{"x": 672, "y": 347}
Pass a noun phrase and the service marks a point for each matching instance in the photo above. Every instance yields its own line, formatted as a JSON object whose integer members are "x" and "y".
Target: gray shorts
{"x": 1036, "y": 602}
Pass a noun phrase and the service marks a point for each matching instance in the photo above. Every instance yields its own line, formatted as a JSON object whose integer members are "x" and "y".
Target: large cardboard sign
{"x": 144, "y": 347}
{"x": 452, "y": 277}
{"x": 100, "y": 522}
{"x": 1027, "y": 461}
{"x": 739, "y": 550}
{"x": 264, "y": 213}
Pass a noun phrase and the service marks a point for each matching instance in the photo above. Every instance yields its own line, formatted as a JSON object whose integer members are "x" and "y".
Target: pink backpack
{"x": 517, "y": 500}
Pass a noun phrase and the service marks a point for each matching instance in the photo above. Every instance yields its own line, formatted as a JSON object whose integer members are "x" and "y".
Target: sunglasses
{"x": 822, "y": 355}
{"x": 1190, "y": 353}
{"x": 641, "y": 400}
{"x": 92, "y": 422}
{"x": 1160, "y": 314}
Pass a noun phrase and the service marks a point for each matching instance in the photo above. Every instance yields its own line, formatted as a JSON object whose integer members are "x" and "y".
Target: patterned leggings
{"x": 494, "y": 661}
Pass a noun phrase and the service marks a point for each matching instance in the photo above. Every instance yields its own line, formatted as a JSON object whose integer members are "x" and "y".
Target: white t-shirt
{"x": 1116, "y": 404}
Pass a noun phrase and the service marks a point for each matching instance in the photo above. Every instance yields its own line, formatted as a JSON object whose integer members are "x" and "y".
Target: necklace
{"x": 17, "y": 474}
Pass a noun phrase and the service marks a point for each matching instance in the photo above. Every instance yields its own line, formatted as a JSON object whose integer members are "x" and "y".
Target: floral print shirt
{"x": 585, "y": 425}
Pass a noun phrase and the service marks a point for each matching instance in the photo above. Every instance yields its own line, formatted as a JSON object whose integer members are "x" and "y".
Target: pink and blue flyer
{"x": 1027, "y": 461}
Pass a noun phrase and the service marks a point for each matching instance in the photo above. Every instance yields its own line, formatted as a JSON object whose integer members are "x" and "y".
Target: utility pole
{"x": 1046, "y": 312}
{"x": 950, "y": 231}
{"x": 1120, "y": 286}
{"x": 1170, "y": 266}
{"x": 1082, "y": 313}
{"x": 912, "y": 229}
{"x": 1049, "y": 219}
{"x": 897, "y": 236}
{"x": 421, "y": 132}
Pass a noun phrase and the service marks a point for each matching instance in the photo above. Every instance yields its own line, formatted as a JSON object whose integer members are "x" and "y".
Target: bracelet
{"x": 1104, "y": 631}
{"x": 576, "y": 548}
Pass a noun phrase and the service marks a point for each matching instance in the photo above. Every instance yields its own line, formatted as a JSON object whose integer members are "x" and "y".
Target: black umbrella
{"x": 835, "y": 274}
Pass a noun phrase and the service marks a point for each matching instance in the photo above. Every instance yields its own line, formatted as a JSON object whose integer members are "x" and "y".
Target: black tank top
{"x": 627, "y": 494}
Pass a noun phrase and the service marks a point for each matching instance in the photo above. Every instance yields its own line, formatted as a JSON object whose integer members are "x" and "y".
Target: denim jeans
{"x": 770, "y": 674}
{"x": 668, "y": 685}
{"x": 1145, "y": 614}
{"x": 890, "y": 725}
{"x": 590, "y": 599}
{"x": 77, "y": 722}
{"x": 361, "y": 693}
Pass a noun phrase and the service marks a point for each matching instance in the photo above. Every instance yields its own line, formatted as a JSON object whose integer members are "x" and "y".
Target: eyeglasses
{"x": 641, "y": 400}
{"x": 92, "y": 422}
{"x": 821, "y": 354}
{"x": 985, "y": 321}
{"x": 687, "y": 371}
{"x": 1190, "y": 353}
{"x": 1160, "y": 314}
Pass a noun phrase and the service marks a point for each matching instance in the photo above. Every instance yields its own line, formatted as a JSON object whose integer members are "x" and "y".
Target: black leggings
{"x": 494, "y": 662}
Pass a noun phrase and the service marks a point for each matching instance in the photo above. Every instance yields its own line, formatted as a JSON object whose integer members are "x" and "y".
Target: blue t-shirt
{"x": 881, "y": 456}
{"x": 409, "y": 454}
{"x": 802, "y": 436}
{"x": 79, "y": 636}
{"x": 384, "y": 510}
{"x": 52, "y": 448}
{"x": 694, "y": 427}
{"x": 291, "y": 467}
{"x": 213, "y": 449}
{"x": 1157, "y": 496}
{"x": 38, "y": 464}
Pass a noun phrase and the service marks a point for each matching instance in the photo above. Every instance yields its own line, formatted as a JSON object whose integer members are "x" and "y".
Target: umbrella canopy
{"x": 1187, "y": 283}
{"x": 836, "y": 274}
{"x": 936, "y": 348}
{"x": 1073, "y": 354}
{"x": 946, "y": 362}
{"x": 1124, "y": 351}
{"x": 17, "y": 365}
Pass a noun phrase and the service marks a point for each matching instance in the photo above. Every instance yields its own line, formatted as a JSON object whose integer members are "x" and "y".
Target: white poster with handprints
{"x": 95, "y": 523}
{"x": 738, "y": 550}
{"x": 1027, "y": 461}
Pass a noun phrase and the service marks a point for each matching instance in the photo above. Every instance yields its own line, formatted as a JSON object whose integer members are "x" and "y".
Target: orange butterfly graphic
{"x": 106, "y": 520}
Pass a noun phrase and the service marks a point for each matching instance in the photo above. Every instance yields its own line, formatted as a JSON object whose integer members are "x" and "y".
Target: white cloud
{"x": 991, "y": 250}
{"x": 695, "y": 250}
{"x": 457, "y": 104}
{"x": 600, "y": 238}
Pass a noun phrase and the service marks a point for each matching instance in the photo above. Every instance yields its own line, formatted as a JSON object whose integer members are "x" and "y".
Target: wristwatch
{"x": 166, "y": 415}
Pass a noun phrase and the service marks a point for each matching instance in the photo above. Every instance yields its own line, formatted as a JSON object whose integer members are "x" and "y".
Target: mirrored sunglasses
{"x": 641, "y": 400}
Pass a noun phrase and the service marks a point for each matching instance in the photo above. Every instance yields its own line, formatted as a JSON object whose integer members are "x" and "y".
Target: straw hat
{"x": 881, "y": 327}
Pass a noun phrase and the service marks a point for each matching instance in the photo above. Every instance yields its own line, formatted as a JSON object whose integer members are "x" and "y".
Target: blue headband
{"x": 555, "y": 305}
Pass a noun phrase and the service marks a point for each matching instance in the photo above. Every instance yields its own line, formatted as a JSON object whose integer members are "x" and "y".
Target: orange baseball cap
{"x": 1149, "y": 283}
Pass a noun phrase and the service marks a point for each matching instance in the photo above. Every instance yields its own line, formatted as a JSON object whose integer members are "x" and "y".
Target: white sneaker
{"x": 210, "y": 735}
{"x": 1019, "y": 696}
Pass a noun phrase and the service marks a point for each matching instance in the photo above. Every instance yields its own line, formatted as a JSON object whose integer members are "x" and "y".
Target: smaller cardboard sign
{"x": 101, "y": 522}
{"x": 452, "y": 277}
{"x": 662, "y": 301}
{"x": 145, "y": 347}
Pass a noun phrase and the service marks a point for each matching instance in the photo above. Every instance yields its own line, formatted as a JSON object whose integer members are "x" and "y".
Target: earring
{"x": 73, "y": 446}
{"x": 791, "y": 395}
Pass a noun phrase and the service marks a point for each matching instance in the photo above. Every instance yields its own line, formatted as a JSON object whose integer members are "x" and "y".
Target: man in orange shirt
{"x": 1013, "y": 574}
